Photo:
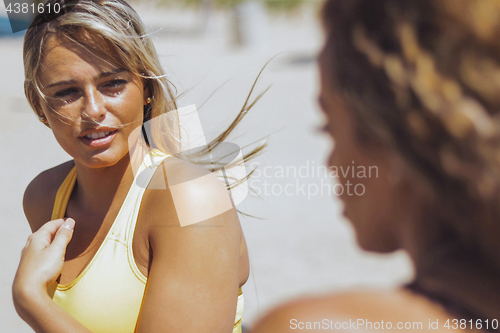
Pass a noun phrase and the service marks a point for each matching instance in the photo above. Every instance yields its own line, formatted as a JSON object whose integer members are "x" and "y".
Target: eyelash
{"x": 65, "y": 92}
{"x": 111, "y": 84}
{"x": 115, "y": 83}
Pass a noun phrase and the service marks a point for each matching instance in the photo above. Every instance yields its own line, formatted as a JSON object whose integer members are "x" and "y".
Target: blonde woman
{"x": 120, "y": 253}
{"x": 412, "y": 87}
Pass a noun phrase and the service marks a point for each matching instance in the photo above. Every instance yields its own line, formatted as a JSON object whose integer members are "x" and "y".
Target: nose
{"x": 93, "y": 108}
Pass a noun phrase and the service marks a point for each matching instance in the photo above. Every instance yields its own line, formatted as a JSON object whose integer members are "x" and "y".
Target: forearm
{"x": 44, "y": 315}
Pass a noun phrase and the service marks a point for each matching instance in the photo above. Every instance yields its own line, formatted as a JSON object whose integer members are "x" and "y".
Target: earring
{"x": 148, "y": 100}
{"x": 42, "y": 119}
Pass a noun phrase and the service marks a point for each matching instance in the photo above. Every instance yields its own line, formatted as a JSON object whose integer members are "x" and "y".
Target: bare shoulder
{"x": 40, "y": 194}
{"x": 194, "y": 237}
{"x": 355, "y": 311}
{"x": 183, "y": 194}
{"x": 191, "y": 225}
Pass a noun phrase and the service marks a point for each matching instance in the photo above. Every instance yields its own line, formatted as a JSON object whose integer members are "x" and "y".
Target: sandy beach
{"x": 301, "y": 244}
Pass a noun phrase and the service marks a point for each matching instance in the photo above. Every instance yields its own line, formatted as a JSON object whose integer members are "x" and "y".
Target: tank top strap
{"x": 63, "y": 194}
{"x": 122, "y": 225}
{"x": 125, "y": 222}
{"x": 237, "y": 328}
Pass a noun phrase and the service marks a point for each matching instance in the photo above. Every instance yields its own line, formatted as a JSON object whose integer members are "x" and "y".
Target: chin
{"x": 101, "y": 164}
{"x": 376, "y": 243}
{"x": 104, "y": 159}
{"x": 369, "y": 239}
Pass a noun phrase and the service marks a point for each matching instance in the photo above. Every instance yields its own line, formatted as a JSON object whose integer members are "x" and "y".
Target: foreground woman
{"x": 156, "y": 245}
{"x": 413, "y": 87}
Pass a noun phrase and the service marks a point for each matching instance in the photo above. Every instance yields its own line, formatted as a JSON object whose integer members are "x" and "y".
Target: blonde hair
{"x": 113, "y": 31}
{"x": 108, "y": 28}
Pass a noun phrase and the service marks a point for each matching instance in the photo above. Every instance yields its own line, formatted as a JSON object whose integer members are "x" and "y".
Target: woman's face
{"x": 82, "y": 87}
{"x": 371, "y": 201}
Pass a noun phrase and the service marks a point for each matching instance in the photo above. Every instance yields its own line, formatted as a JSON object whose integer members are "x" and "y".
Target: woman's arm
{"x": 194, "y": 277}
{"x": 44, "y": 315}
{"x": 29, "y": 289}
{"x": 41, "y": 263}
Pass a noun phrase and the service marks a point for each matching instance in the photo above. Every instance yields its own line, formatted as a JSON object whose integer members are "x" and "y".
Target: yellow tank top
{"x": 106, "y": 297}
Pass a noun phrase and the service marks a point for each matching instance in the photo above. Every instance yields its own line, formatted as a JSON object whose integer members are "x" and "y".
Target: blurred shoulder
{"x": 352, "y": 311}
{"x": 39, "y": 196}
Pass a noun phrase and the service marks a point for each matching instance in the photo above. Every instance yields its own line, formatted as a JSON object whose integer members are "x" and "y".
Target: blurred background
{"x": 212, "y": 51}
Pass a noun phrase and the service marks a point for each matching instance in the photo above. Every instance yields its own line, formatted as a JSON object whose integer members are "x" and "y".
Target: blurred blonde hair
{"x": 422, "y": 78}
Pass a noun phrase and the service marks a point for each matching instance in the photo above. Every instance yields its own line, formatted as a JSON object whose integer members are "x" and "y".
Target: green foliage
{"x": 272, "y": 5}
{"x": 283, "y": 5}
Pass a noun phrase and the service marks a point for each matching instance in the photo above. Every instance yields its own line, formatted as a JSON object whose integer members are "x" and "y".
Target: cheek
{"x": 61, "y": 124}
{"x": 344, "y": 158}
{"x": 130, "y": 106}
{"x": 126, "y": 101}
{"x": 361, "y": 183}
{"x": 373, "y": 211}
{"x": 64, "y": 135}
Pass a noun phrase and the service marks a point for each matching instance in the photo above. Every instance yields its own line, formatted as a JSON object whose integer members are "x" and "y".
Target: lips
{"x": 98, "y": 138}
{"x": 97, "y": 135}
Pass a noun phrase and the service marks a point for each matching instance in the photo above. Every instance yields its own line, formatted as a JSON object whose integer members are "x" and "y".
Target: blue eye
{"x": 115, "y": 83}
{"x": 66, "y": 92}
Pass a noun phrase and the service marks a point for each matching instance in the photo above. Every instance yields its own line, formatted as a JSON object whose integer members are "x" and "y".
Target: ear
{"x": 40, "y": 113}
{"x": 147, "y": 92}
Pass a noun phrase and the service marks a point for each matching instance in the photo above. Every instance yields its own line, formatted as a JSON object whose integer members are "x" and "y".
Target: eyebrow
{"x": 100, "y": 76}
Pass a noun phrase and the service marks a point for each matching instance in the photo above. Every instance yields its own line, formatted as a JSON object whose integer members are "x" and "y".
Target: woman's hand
{"x": 41, "y": 263}
{"x": 42, "y": 259}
